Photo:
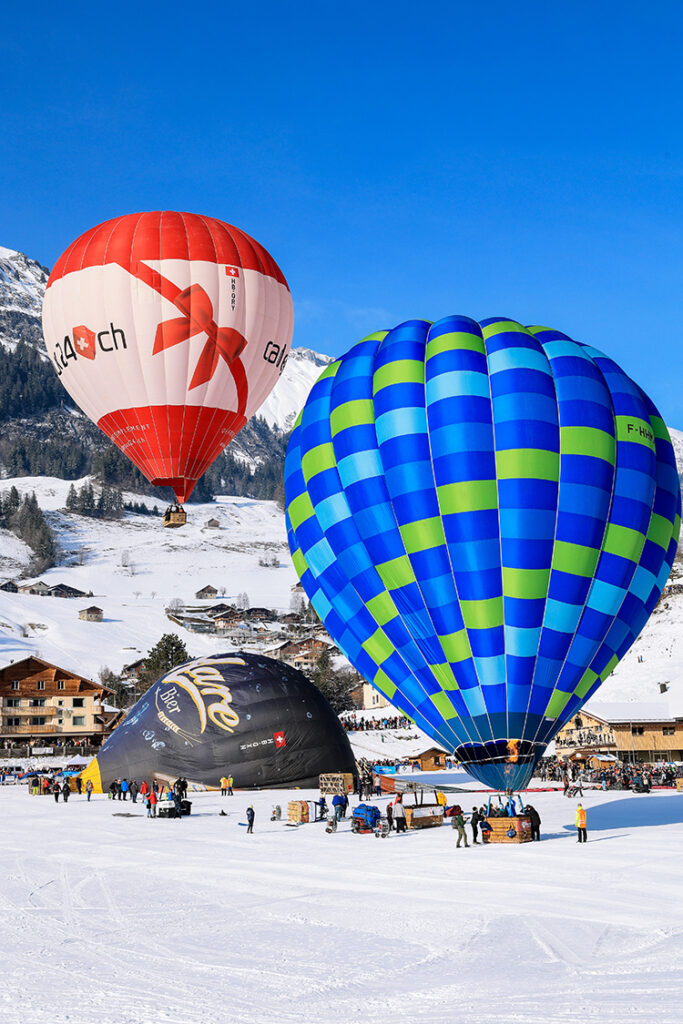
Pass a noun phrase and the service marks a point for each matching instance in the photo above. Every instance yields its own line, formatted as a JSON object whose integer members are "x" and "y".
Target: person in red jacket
{"x": 152, "y": 805}
{"x": 144, "y": 789}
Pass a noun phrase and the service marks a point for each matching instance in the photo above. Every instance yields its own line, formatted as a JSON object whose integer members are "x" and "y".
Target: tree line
{"x": 27, "y": 522}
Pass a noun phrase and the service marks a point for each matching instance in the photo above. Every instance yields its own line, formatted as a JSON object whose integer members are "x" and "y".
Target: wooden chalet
{"x": 303, "y": 654}
{"x": 9, "y": 586}
{"x": 91, "y": 614}
{"x": 249, "y": 614}
{"x": 37, "y": 587}
{"x": 630, "y": 732}
{"x": 64, "y": 590}
{"x": 206, "y": 594}
{"x": 213, "y": 524}
{"x": 40, "y": 701}
{"x": 431, "y": 760}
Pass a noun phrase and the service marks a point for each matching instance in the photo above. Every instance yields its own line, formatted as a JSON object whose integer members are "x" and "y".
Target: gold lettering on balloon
{"x": 201, "y": 679}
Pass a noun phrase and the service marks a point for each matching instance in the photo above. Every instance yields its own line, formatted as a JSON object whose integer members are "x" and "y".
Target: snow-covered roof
{"x": 632, "y": 711}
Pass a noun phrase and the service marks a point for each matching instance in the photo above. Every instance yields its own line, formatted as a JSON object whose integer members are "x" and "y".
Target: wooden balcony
{"x": 50, "y": 729}
{"x": 47, "y": 712}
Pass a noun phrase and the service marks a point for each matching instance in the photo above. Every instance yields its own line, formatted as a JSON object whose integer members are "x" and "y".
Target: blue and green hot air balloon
{"x": 483, "y": 515}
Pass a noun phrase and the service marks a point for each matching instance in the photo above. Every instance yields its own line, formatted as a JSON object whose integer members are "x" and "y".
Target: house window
{"x": 13, "y": 721}
{"x": 669, "y": 730}
{"x": 40, "y": 685}
{"x": 60, "y": 684}
{"x": 37, "y": 702}
{"x": 12, "y": 702}
{"x": 60, "y": 721}
{"x": 78, "y": 719}
{"x": 38, "y": 721}
{"x": 15, "y": 684}
{"x": 79, "y": 702}
{"x": 637, "y": 730}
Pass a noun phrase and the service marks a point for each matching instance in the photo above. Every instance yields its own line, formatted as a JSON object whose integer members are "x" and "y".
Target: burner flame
{"x": 513, "y": 751}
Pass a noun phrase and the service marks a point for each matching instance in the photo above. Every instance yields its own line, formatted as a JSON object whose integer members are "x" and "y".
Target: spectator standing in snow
{"x": 459, "y": 823}
{"x": 79, "y": 785}
{"x": 535, "y": 822}
{"x": 178, "y": 803}
{"x": 474, "y": 822}
{"x": 250, "y": 819}
{"x": 152, "y": 805}
{"x": 224, "y": 785}
{"x": 230, "y": 782}
{"x": 88, "y": 790}
{"x": 66, "y": 791}
{"x": 144, "y": 790}
{"x": 124, "y": 789}
{"x": 56, "y": 789}
{"x": 338, "y": 804}
{"x": 113, "y": 789}
{"x": 399, "y": 815}
{"x": 390, "y": 815}
{"x": 580, "y": 821}
{"x": 134, "y": 788}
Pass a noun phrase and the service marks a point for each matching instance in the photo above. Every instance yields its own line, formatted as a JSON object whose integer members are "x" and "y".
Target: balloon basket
{"x": 507, "y": 830}
{"x": 175, "y": 516}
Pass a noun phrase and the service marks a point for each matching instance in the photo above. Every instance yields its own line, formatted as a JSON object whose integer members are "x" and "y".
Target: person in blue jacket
{"x": 338, "y": 804}
{"x": 124, "y": 789}
{"x": 250, "y": 819}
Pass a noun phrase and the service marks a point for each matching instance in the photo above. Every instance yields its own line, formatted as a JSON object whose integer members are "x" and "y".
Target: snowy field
{"x": 134, "y": 568}
{"x": 116, "y": 920}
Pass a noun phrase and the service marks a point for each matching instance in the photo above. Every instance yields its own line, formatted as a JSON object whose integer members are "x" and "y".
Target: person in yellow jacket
{"x": 230, "y": 782}
{"x": 224, "y": 786}
{"x": 580, "y": 822}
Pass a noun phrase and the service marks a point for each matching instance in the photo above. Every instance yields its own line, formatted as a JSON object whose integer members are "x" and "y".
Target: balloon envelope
{"x": 169, "y": 330}
{"x": 246, "y": 714}
{"x": 483, "y": 516}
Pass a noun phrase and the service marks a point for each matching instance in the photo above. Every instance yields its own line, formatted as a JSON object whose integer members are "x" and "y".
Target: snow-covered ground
{"x": 134, "y": 568}
{"x": 120, "y": 920}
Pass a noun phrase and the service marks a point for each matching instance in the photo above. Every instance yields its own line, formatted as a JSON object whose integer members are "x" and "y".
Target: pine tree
{"x": 169, "y": 652}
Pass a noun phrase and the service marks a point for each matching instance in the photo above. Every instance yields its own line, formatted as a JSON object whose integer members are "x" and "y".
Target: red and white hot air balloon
{"x": 169, "y": 330}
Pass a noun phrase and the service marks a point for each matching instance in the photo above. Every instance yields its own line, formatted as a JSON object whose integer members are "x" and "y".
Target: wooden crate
{"x": 336, "y": 783}
{"x": 297, "y": 812}
{"x": 521, "y": 826}
{"x": 424, "y": 817}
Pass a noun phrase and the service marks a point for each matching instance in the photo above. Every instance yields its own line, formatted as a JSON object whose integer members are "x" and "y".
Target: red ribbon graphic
{"x": 222, "y": 342}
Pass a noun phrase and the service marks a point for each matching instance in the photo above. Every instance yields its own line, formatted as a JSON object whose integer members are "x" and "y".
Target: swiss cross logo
{"x": 84, "y": 340}
{"x": 280, "y": 740}
{"x": 232, "y": 271}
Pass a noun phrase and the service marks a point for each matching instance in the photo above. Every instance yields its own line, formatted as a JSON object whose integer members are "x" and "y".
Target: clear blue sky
{"x": 398, "y": 159}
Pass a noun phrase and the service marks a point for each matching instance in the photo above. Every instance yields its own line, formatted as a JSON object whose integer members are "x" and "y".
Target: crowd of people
{"x": 611, "y": 775}
{"x": 355, "y": 723}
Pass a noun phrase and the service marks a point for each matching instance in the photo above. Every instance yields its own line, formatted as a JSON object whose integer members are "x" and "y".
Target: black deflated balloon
{"x": 244, "y": 714}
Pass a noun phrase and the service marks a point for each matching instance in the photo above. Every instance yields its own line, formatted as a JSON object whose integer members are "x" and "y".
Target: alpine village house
{"x": 41, "y": 703}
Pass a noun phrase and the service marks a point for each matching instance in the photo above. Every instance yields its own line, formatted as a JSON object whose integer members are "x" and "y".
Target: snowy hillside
{"x": 134, "y": 568}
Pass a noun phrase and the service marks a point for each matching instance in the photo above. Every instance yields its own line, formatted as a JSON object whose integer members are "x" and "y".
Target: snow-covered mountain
{"x": 22, "y": 283}
{"x": 287, "y": 398}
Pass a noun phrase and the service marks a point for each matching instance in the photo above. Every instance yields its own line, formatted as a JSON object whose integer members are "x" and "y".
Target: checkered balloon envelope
{"x": 483, "y": 515}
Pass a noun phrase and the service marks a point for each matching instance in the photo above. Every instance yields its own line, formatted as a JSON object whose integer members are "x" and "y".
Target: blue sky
{"x": 398, "y": 160}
